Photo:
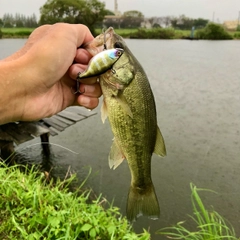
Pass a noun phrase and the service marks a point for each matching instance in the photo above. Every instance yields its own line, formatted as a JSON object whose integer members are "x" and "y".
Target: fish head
{"x": 124, "y": 68}
{"x": 106, "y": 40}
{"x": 97, "y": 45}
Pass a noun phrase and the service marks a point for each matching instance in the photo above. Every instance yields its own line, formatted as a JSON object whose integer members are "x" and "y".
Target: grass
{"x": 126, "y": 33}
{"x": 16, "y": 32}
{"x": 32, "y": 208}
{"x": 210, "y": 225}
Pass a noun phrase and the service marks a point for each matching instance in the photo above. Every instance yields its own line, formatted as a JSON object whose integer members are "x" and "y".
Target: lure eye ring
{"x": 119, "y": 53}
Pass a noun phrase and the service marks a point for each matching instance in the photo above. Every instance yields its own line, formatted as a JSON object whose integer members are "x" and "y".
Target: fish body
{"x": 101, "y": 62}
{"x": 129, "y": 104}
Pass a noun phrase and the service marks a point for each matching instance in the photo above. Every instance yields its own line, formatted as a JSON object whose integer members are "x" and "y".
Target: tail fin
{"x": 142, "y": 202}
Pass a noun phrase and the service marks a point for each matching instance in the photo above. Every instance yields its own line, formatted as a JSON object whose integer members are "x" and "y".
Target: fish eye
{"x": 118, "y": 45}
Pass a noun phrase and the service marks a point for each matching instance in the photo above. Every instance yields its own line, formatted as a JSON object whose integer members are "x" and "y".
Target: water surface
{"x": 197, "y": 89}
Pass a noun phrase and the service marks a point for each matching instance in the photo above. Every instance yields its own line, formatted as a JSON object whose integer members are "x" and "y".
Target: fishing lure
{"x": 99, "y": 64}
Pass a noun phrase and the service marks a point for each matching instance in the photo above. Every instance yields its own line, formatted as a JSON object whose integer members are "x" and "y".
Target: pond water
{"x": 197, "y": 90}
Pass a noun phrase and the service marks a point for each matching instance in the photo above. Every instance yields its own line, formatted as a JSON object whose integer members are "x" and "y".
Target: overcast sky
{"x": 219, "y": 10}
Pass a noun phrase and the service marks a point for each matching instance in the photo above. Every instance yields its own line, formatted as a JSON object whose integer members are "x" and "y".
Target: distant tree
{"x": 113, "y": 22}
{"x": 213, "y": 32}
{"x": 133, "y": 14}
{"x": 200, "y": 22}
{"x": 185, "y": 23}
{"x": 109, "y": 12}
{"x": 88, "y": 12}
{"x": 31, "y": 21}
{"x": 156, "y": 25}
{"x": 1, "y": 22}
{"x": 8, "y": 20}
{"x": 155, "y": 21}
{"x": 174, "y": 22}
{"x": 182, "y": 22}
{"x": 166, "y": 21}
{"x": 132, "y": 19}
{"x": 19, "y": 20}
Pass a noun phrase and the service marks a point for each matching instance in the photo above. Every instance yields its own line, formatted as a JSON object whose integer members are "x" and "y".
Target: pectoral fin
{"x": 124, "y": 104}
{"x": 116, "y": 156}
{"x": 160, "y": 148}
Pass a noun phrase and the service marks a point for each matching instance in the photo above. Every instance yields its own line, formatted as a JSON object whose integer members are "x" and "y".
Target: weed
{"x": 210, "y": 224}
{"x": 31, "y": 208}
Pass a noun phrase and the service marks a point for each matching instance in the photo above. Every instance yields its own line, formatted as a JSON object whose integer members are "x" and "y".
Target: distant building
{"x": 231, "y": 25}
{"x": 114, "y": 20}
{"x": 116, "y": 12}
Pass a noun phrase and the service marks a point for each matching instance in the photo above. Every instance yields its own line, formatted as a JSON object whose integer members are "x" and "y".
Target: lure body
{"x": 101, "y": 62}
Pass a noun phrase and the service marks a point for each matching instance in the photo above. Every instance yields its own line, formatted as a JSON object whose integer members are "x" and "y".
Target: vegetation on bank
{"x": 210, "y": 225}
{"x": 93, "y": 14}
{"x": 16, "y": 32}
{"x": 155, "y": 33}
{"x": 211, "y": 32}
{"x": 32, "y": 208}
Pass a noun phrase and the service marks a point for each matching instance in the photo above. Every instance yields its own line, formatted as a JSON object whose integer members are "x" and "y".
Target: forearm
{"x": 11, "y": 94}
{"x": 37, "y": 81}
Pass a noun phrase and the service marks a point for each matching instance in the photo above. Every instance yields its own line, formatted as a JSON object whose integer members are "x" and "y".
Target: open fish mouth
{"x": 100, "y": 43}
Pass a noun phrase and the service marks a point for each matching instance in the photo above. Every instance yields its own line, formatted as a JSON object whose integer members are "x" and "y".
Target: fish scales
{"x": 129, "y": 104}
{"x": 133, "y": 139}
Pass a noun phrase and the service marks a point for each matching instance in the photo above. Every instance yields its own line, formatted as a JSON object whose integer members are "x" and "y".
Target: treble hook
{"x": 78, "y": 87}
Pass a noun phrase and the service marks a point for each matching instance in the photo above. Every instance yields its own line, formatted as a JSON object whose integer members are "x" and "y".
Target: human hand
{"x": 44, "y": 76}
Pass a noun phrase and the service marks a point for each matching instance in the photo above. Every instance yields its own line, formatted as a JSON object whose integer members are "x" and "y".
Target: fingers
{"x": 83, "y": 34}
{"x": 77, "y": 68}
{"x": 93, "y": 90}
{"x": 89, "y": 97}
{"x": 90, "y": 94}
{"x": 87, "y": 102}
{"x": 82, "y": 56}
{"x": 81, "y": 60}
{"x": 78, "y": 33}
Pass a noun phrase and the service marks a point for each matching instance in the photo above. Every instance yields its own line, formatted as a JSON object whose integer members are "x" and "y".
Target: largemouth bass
{"x": 129, "y": 104}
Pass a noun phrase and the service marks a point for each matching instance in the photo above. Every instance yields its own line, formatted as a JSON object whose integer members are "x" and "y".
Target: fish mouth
{"x": 100, "y": 43}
